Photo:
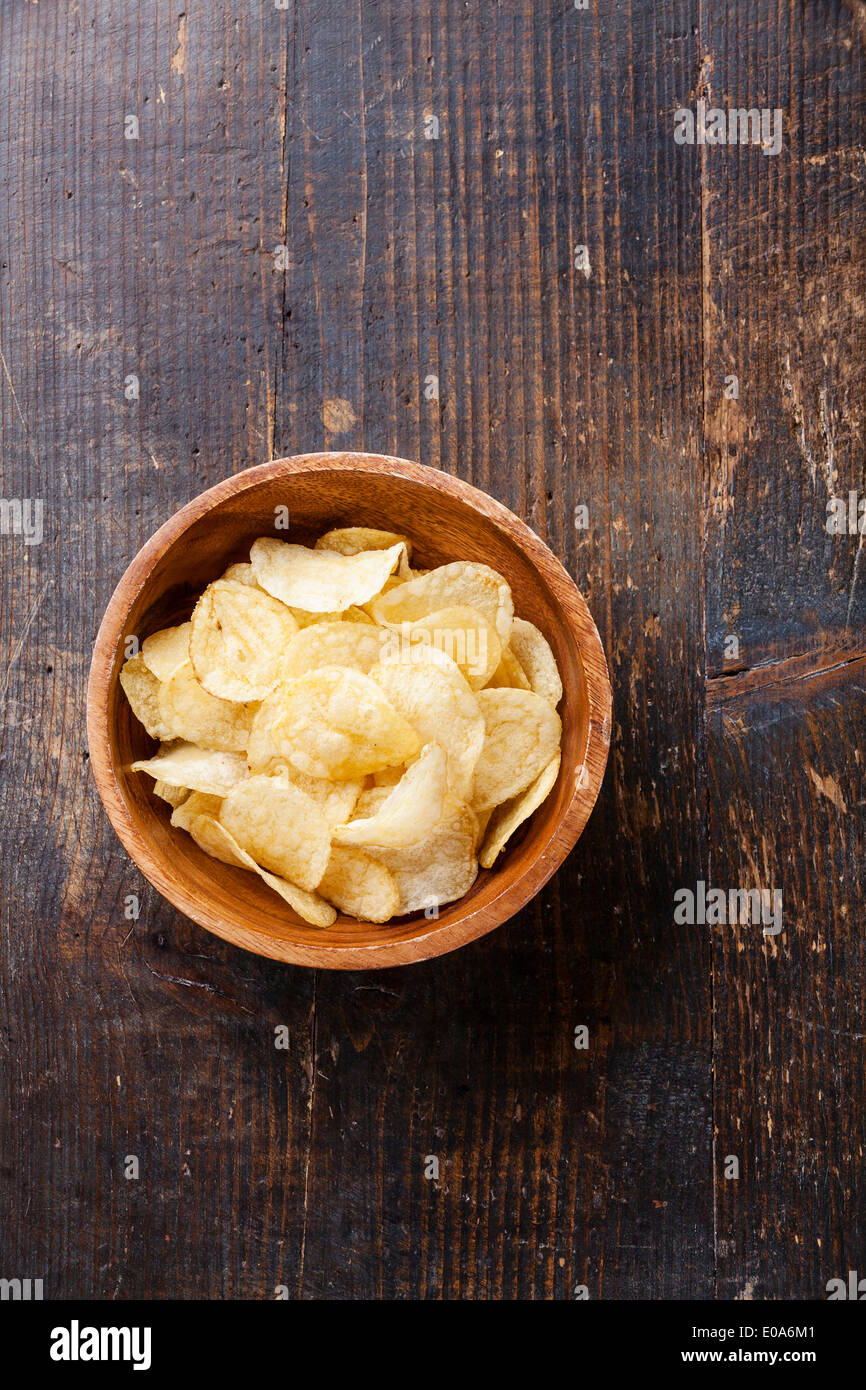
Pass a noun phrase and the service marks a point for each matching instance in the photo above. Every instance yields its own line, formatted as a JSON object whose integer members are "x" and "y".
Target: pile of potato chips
{"x": 357, "y": 733}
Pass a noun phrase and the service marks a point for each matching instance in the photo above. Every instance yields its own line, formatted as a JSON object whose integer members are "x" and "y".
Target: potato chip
{"x": 264, "y": 750}
{"x": 215, "y": 840}
{"x": 369, "y": 801}
{"x": 166, "y": 651}
{"x": 199, "y": 769}
{"x": 280, "y": 827}
{"x": 321, "y": 580}
{"x": 197, "y": 804}
{"x": 309, "y": 906}
{"x": 461, "y": 584}
{"x": 166, "y": 792}
{"x": 438, "y": 868}
{"x": 242, "y": 573}
{"x": 522, "y": 734}
{"x": 388, "y": 776}
{"x": 141, "y": 688}
{"x": 354, "y": 644}
{"x": 509, "y": 674}
{"x": 465, "y": 635}
{"x": 195, "y": 816}
{"x": 190, "y": 713}
{"x": 506, "y": 818}
{"x": 423, "y": 654}
{"x": 349, "y": 540}
{"x": 310, "y": 619}
{"x": 207, "y": 832}
{"x": 336, "y": 800}
{"x": 332, "y": 718}
{"x": 238, "y": 637}
{"x": 483, "y": 819}
{"x": 408, "y": 811}
{"x": 532, "y": 650}
{"x": 439, "y": 705}
{"x": 333, "y": 722}
{"x": 359, "y": 885}
{"x": 394, "y": 581}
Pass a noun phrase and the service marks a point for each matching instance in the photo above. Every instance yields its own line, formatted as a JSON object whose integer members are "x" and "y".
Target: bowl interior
{"x": 443, "y": 528}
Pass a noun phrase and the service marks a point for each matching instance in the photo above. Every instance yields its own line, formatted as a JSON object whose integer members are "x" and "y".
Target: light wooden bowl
{"x": 447, "y": 520}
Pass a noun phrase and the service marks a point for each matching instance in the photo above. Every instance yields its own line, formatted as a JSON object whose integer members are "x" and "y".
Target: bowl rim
{"x": 441, "y": 938}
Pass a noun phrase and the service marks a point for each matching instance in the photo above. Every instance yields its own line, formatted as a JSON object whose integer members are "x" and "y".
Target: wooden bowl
{"x": 447, "y": 520}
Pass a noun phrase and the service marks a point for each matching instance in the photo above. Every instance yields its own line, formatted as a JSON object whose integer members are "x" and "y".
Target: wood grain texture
{"x": 406, "y": 259}
{"x": 785, "y": 288}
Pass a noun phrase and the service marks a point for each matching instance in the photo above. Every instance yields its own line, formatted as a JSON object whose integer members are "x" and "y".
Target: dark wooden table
{"x": 739, "y": 763}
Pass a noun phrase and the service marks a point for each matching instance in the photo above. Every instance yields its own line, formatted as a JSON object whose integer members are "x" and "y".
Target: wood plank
{"x": 557, "y": 1167}
{"x": 784, "y": 312}
{"x": 786, "y": 285}
{"x": 130, "y": 1037}
{"x": 787, "y": 798}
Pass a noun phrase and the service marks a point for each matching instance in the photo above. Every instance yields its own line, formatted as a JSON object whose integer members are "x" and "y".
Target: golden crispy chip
{"x": 388, "y": 776}
{"x": 394, "y": 581}
{"x": 166, "y": 792}
{"x": 304, "y": 619}
{"x": 263, "y": 746}
{"x": 349, "y": 540}
{"x": 197, "y": 816}
{"x": 190, "y": 713}
{"x": 522, "y": 734}
{"x": 280, "y": 826}
{"x": 462, "y": 584}
{"x": 354, "y": 644}
{"x": 336, "y": 800}
{"x": 435, "y": 699}
{"x": 357, "y": 884}
{"x": 237, "y": 641}
{"x": 532, "y": 650}
{"x": 333, "y": 722}
{"x": 509, "y": 674}
{"x": 465, "y": 635}
{"x": 506, "y": 818}
{"x": 308, "y": 906}
{"x": 196, "y": 804}
{"x": 141, "y": 688}
{"x": 321, "y": 581}
{"x": 242, "y": 573}
{"x": 313, "y": 908}
{"x": 331, "y": 716}
{"x": 166, "y": 651}
{"x": 199, "y": 769}
{"x": 483, "y": 819}
{"x": 369, "y": 801}
{"x": 408, "y": 811}
{"x": 207, "y": 832}
{"x": 438, "y": 868}
{"x": 211, "y": 836}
